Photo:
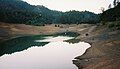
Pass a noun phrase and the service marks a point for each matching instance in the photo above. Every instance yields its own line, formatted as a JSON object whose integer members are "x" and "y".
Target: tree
{"x": 109, "y": 7}
{"x": 115, "y": 3}
{"x": 112, "y": 14}
{"x": 17, "y": 11}
{"x": 102, "y": 9}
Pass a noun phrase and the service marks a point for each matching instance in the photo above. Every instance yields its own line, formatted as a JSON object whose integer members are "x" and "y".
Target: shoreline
{"x": 103, "y": 53}
{"x": 104, "y": 50}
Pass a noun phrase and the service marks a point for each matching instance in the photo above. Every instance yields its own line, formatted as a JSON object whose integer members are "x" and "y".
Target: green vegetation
{"x": 22, "y": 43}
{"x": 69, "y": 34}
{"x": 112, "y": 14}
{"x": 114, "y": 25}
{"x": 18, "y": 11}
{"x": 111, "y": 17}
{"x": 73, "y": 40}
{"x": 79, "y": 17}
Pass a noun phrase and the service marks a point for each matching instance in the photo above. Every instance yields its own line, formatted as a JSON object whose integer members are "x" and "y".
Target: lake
{"x": 50, "y": 52}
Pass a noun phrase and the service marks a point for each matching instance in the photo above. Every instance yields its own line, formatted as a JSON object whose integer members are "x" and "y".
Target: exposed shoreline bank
{"x": 104, "y": 50}
{"x": 104, "y": 53}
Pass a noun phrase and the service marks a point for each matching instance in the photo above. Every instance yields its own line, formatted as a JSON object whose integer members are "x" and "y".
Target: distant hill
{"x": 112, "y": 14}
{"x": 111, "y": 17}
{"x": 18, "y": 11}
{"x": 79, "y": 17}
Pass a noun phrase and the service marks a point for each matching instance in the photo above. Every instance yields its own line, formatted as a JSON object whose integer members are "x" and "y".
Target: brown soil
{"x": 105, "y": 50}
{"x": 8, "y": 31}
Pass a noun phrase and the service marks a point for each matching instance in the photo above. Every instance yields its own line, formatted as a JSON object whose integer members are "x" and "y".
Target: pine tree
{"x": 109, "y": 7}
{"x": 115, "y": 3}
{"x": 102, "y": 9}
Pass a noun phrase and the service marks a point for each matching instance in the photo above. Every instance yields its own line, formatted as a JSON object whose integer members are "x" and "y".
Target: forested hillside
{"x": 111, "y": 14}
{"x": 79, "y": 17}
{"x": 18, "y": 11}
{"x": 111, "y": 17}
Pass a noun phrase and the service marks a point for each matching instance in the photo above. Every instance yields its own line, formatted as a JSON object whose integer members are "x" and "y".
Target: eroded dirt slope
{"x": 105, "y": 50}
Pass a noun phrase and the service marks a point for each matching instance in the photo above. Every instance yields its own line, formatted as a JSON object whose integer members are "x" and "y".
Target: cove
{"x": 55, "y": 54}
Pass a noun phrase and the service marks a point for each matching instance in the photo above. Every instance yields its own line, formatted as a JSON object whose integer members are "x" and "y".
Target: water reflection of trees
{"x": 19, "y": 44}
{"x": 22, "y": 43}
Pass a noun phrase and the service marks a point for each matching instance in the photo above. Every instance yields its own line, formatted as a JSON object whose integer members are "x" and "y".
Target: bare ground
{"x": 8, "y": 31}
{"x": 105, "y": 50}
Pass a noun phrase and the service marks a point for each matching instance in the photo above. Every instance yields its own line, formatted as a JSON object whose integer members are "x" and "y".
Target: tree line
{"x": 111, "y": 17}
{"x": 18, "y": 11}
{"x": 112, "y": 14}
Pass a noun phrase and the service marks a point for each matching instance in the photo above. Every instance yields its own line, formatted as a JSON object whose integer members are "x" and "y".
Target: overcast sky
{"x": 66, "y": 5}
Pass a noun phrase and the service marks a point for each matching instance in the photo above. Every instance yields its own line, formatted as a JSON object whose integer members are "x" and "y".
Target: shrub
{"x": 114, "y": 25}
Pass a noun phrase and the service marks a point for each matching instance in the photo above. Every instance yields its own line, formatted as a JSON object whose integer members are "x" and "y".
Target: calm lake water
{"x": 56, "y": 54}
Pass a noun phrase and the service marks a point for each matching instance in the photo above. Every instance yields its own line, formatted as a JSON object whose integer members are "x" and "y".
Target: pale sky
{"x": 66, "y": 5}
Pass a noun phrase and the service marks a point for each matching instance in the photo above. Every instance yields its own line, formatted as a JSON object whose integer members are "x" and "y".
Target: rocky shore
{"x": 104, "y": 52}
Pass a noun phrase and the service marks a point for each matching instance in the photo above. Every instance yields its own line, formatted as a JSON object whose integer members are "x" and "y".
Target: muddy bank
{"x": 105, "y": 50}
{"x": 8, "y": 31}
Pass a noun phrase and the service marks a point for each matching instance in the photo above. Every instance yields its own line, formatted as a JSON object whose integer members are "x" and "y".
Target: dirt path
{"x": 91, "y": 29}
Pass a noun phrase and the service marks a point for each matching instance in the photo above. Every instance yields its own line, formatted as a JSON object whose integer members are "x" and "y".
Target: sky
{"x": 67, "y": 5}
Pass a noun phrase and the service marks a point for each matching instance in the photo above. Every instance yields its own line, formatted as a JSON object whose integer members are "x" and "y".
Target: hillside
{"x": 18, "y": 11}
{"x": 112, "y": 14}
{"x": 111, "y": 17}
{"x": 105, "y": 50}
{"x": 9, "y": 31}
{"x": 105, "y": 41}
{"x": 18, "y": 17}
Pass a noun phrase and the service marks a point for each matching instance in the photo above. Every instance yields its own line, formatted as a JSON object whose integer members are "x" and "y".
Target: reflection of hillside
{"x": 19, "y": 44}
{"x": 22, "y": 43}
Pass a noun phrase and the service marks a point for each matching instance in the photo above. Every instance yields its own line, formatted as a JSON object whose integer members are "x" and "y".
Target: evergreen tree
{"x": 114, "y": 3}
{"x": 18, "y": 11}
{"x": 110, "y": 6}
